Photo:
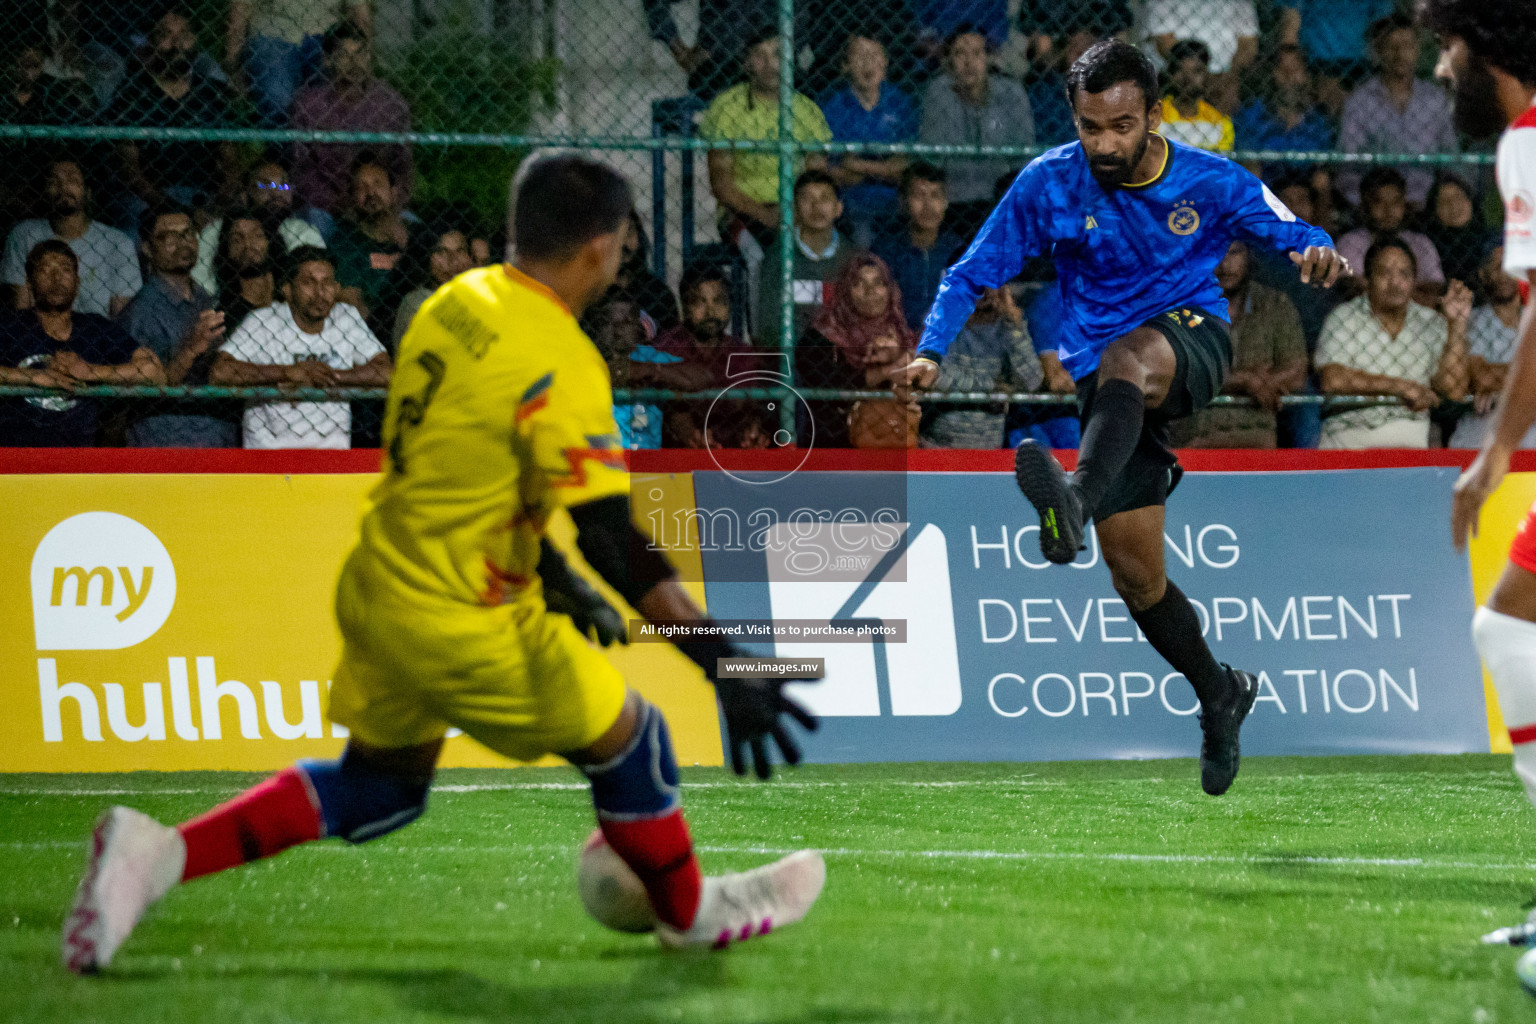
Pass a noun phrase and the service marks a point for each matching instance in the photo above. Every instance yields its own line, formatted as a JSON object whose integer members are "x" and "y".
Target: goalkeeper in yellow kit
{"x": 500, "y": 412}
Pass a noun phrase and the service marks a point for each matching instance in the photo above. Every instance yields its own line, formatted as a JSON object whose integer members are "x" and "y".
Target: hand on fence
{"x": 1416, "y": 396}
{"x": 310, "y": 373}
{"x": 919, "y": 373}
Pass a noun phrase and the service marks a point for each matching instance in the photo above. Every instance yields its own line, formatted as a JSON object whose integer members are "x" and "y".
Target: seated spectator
{"x": 726, "y": 29}
{"x": 52, "y": 345}
{"x": 245, "y": 267}
{"x": 1187, "y": 118}
{"x": 348, "y": 98}
{"x": 107, "y": 266}
{"x": 618, "y": 328}
{"x": 866, "y": 108}
{"x": 1053, "y": 425}
{"x": 638, "y": 282}
{"x": 168, "y": 90}
{"x": 269, "y": 196}
{"x": 274, "y": 46}
{"x": 745, "y": 184}
{"x": 1055, "y": 124}
{"x": 967, "y": 106}
{"x": 1395, "y": 111}
{"x": 919, "y": 255}
{"x": 1284, "y": 117}
{"x": 1384, "y": 343}
{"x": 175, "y": 318}
{"x": 890, "y": 23}
{"x": 992, "y": 352}
{"x": 939, "y": 21}
{"x": 821, "y": 253}
{"x": 702, "y": 341}
{"x": 369, "y": 246}
{"x": 1269, "y": 361}
{"x": 1455, "y": 227}
{"x": 1384, "y": 209}
{"x": 854, "y": 342}
{"x": 29, "y": 95}
{"x": 1492, "y": 335}
{"x": 1050, "y": 25}
{"x": 1228, "y": 28}
{"x": 704, "y": 346}
{"x": 447, "y": 259}
{"x": 1333, "y": 35}
{"x": 309, "y": 340}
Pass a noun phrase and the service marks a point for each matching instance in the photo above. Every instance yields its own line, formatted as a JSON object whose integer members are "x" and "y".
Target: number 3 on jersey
{"x": 414, "y": 407}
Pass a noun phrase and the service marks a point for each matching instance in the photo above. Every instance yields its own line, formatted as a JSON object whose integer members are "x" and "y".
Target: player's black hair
{"x": 344, "y": 31}
{"x": 921, "y": 170}
{"x": 1384, "y": 243}
{"x": 302, "y": 255}
{"x": 48, "y": 246}
{"x": 1109, "y": 63}
{"x": 699, "y": 273}
{"x": 1378, "y": 178}
{"x": 369, "y": 158}
{"x": 566, "y": 201}
{"x": 151, "y": 217}
{"x": 1502, "y": 34}
{"x": 814, "y": 177}
{"x": 1383, "y": 27}
{"x": 1187, "y": 48}
{"x": 965, "y": 28}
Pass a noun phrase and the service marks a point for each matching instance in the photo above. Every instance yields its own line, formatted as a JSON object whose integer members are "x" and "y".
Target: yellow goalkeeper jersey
{"x": 500, "y": 411}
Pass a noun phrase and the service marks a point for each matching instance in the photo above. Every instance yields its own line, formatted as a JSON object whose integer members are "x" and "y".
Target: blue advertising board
{"x": 1340, "y": 590}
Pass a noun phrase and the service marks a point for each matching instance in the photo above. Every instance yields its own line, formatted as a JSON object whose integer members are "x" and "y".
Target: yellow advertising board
{"x": 184, "y": 621}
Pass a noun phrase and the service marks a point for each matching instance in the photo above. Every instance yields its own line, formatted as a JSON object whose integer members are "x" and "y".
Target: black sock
{"x": 1109, "y": 438}
{"x": 1173, "y": 630}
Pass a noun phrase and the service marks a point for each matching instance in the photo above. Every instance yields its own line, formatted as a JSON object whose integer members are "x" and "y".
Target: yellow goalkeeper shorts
{"x": 517, "y": 678}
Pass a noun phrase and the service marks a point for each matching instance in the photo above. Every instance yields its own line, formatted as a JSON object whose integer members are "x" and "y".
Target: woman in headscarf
{"x": 856, "y": 342}
{"x": 1453, "y": 223}
{"x": 445, "y": 256}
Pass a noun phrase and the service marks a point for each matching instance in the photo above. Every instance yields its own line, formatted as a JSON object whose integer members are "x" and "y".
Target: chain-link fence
{"x": 220, "y": 216}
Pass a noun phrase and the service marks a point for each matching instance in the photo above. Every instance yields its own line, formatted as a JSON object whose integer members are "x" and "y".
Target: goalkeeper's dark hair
{"x": 1109, "y": 63}
{"x": 1502, "y": 34}
{"x": 566, "y": 201}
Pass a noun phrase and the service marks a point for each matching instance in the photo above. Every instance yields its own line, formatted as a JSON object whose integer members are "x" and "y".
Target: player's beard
{"x": 1478, "y": 111}
{"x": 1116, "y": 172}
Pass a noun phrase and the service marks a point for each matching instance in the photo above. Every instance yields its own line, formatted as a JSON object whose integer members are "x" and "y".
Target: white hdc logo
{"x": 910, "y": 581}
{"x": 100, "y": 582}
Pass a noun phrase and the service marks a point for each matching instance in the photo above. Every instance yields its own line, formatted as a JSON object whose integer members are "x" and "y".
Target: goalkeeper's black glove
{"x": 567, "y": 593}
{"x": 753, "y": 709}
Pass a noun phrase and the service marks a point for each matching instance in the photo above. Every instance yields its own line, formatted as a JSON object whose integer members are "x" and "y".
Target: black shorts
{"x": 1202, "y": 345}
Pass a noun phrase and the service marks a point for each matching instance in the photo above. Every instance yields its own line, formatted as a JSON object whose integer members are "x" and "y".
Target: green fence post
{"x": 787, "y": 153}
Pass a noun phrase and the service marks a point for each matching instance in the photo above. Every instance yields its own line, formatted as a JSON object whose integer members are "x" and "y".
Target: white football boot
{"x": 734, "y": 908}
{"x": 135, "y": 860}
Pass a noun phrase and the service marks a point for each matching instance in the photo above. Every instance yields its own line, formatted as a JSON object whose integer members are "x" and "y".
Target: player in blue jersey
{"x": 1135, "y": 224}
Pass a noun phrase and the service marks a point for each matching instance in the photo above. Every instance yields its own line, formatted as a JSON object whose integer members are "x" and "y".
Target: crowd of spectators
{"x": 190, "y": 262}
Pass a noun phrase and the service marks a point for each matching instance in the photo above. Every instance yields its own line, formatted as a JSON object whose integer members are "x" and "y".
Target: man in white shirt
{"x": 1384, "y": 343}
{"x": 309, "y": 340}
{"x": 270, "y": 197}
{"x": 109, "y": 263}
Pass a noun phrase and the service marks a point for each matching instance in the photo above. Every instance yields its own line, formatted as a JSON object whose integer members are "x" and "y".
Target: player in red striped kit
{"x": 1488, "y": 54}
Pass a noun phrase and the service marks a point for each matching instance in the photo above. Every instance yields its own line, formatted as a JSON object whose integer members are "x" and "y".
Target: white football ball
{"x": 610, "y": 890}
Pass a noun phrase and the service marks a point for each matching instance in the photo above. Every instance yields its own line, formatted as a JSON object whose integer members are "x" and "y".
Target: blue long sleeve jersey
{"x": 1123, "y": 255}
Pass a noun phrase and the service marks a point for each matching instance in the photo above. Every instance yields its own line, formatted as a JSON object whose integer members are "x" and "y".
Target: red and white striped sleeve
{"x": 1517, "y": 187}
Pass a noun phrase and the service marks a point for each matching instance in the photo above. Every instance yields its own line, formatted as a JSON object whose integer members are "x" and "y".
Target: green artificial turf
{"x": 1339, "y": 889}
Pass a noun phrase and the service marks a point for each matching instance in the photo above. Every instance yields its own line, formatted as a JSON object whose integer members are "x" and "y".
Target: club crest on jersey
{"x": 1184, "y": 219}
